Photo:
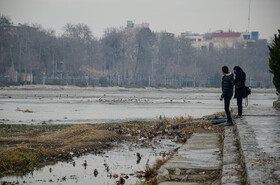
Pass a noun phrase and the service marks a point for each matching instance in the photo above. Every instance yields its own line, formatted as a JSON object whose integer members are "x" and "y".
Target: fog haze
{"x": 174, "y": 16}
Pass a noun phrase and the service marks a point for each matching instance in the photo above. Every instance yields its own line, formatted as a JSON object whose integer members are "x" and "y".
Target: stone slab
{"x": 179, "y": 183}
{"x": 201, "y": 152}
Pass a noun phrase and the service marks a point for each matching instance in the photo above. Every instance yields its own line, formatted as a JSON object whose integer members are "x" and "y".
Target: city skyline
{"x": 177, "y": 16}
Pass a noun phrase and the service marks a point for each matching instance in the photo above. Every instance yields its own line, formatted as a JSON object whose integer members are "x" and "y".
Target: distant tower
{"x": 249, "y": 15}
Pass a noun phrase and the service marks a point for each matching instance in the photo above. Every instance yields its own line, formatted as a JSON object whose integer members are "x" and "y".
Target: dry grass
{"x": 182, "y": 119}
{"x": 197, "y": 127}
{"x": 74, "y": 138}
{"x": 203, "y": 128}
{"x": 217, "y": 114}
{"x": 78, "y": 136}
{"x": 26, "y": 147}
{"x": 26, "y": 158}
{"x": 175, "y": 120}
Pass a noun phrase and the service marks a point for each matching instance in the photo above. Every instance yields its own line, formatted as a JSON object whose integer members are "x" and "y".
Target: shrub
{"x": 274, "y": 60}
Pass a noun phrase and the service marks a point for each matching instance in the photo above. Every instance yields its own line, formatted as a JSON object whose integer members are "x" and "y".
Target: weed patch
{"x": 24, "y": 158}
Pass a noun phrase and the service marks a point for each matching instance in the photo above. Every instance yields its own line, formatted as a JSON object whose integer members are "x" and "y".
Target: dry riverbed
{"x": 24, "y": 148}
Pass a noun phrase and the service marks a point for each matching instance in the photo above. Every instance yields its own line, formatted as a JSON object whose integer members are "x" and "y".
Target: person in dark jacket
{"x": 227, "y": 92}
{"x": 240, "y": 90}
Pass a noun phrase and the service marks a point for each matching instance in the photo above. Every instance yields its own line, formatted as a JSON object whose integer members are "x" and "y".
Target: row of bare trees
{"x": 123, "y": 56}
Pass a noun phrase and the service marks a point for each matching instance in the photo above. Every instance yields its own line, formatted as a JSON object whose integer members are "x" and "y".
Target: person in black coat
{"x": 227, "y": 92}
{"x": 240, "y": 90}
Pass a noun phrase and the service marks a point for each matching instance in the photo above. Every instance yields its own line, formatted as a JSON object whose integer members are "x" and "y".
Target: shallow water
{"x": 120, "y": 160}
{"x": 93, "y": 107}
{"x": 67, "y": 107}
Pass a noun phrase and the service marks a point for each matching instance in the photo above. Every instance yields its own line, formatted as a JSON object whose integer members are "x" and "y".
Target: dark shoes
{"x": 228, "y": 124}
{"x": 238, "y": 117}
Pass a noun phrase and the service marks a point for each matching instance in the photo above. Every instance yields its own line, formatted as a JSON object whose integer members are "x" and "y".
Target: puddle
{"x": 102, "y": 169}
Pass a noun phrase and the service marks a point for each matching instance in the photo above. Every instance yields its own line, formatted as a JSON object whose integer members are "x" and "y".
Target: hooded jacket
{"x": 227, "y": 85}
{"x": 239, "y": 82}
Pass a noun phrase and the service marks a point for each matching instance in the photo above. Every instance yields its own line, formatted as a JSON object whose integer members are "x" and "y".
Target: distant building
{"x": 131, "y": 24}
{"x": 197, "y": 40}
{"x": 189, "y": 34}
{"x": 227, "y": 35}
{"x": 226, "y": 39}
{"x": 164, "y": 34}
{"x": 167, "y": 34}
{"x": 254, "y": 35}
{"x": 12, "y": 30}
{"x": 220, "y": 39}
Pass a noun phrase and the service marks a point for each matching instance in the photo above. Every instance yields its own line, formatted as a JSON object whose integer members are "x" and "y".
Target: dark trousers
{"x": 239, "y": 105}
{"x": 227, "y": 104}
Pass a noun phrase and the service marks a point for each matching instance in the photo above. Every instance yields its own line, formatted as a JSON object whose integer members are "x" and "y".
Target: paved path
{"x": 198, "y": 161}
{"x": 259, "y": 135}
{"x": 254, "y": 141}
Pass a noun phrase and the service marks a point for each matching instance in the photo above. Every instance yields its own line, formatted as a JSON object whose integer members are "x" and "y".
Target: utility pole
{"x": 249, "y": 15}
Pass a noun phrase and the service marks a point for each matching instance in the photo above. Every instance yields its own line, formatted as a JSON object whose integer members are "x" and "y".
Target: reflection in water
{"x": 95, "y": 172}
{"x": 138, "y": 158}
{"x": 85, "y": 164}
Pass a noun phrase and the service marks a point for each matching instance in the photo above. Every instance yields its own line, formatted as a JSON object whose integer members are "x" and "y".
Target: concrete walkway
{"x": 198, "y": 161}
{"x": 254, "y": 142}
{"x": 259, "y": 136}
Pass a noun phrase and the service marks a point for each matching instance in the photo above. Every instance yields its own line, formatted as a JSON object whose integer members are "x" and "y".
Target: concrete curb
{"x": 231, "y": 167}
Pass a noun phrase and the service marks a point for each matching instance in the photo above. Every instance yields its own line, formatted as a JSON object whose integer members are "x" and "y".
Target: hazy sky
{"x": 174, "y": 16}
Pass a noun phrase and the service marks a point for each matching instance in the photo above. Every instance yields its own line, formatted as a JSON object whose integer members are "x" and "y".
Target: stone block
{"x": 179, "y": 183}
{"x": 228, "y": 179}
{"x": 163, "y": 175}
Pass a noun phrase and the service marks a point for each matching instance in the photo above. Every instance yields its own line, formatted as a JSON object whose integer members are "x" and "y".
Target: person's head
{"x": 237, "y": 69}
{"x": 225, "y": 69}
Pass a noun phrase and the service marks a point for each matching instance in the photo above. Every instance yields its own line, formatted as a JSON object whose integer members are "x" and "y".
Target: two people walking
{"x": 228, "y": 83}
